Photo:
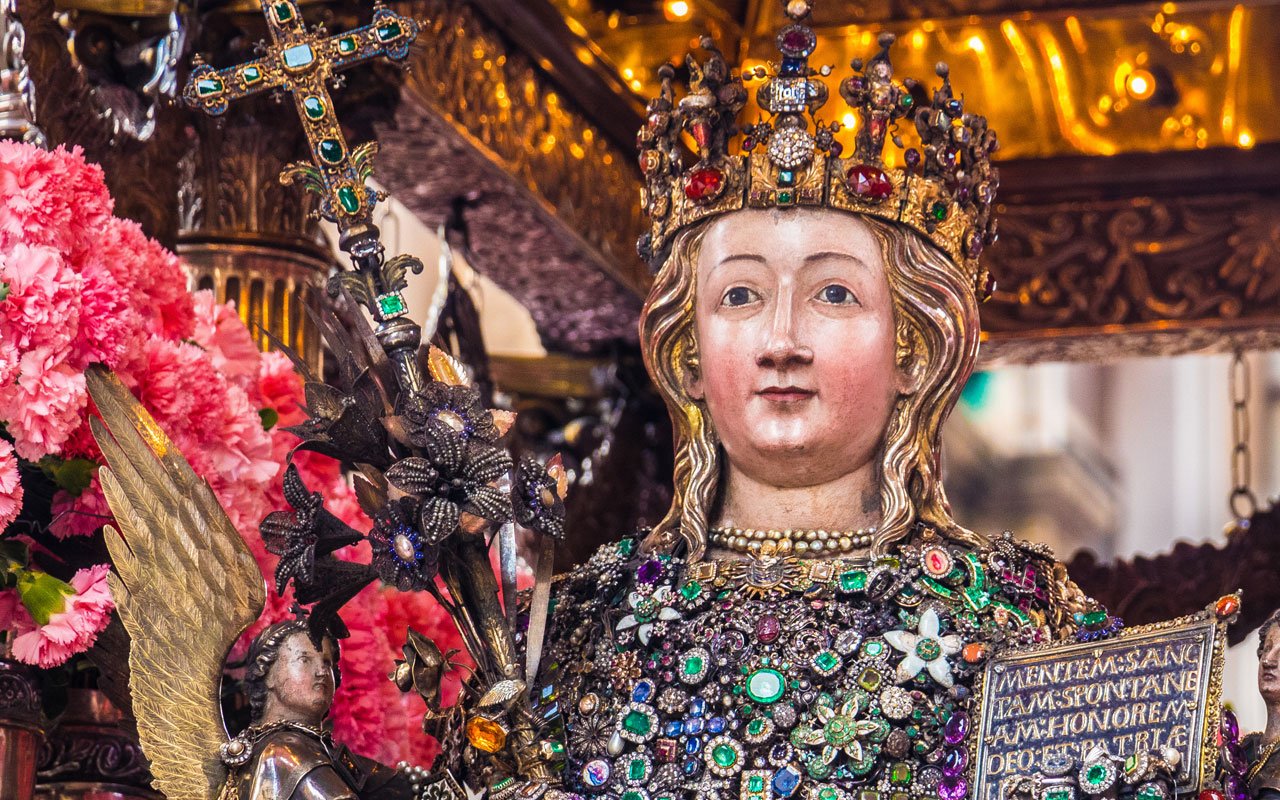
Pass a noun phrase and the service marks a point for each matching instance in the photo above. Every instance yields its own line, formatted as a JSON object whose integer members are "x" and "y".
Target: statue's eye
{"x": 837, "y": 295}
{"x": 738, "y": 296}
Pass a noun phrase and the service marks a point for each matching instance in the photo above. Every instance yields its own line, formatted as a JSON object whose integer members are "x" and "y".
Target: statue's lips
{"x": 786, "y": 394}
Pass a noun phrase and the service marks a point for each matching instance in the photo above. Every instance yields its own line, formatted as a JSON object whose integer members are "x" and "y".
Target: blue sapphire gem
{"x": 696, "y": 706}
{"x": 794, "y": 66}
{"x": 786, "y": 177}
{"x": 785, "y": 781}
{"x": 691, "y": 766}
{"x": 672, "y": 728}
{"x": 715, "y": 725}
{"x": 692, "y": 745}
{"x": 642, "y": 691}
{"x": 694, "y": 726}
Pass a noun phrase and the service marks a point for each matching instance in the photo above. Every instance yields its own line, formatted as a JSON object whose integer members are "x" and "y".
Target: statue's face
{"x": 795, "y": 329}
{"x": 1269, "y": 667}
{"x": 301, "y": 681}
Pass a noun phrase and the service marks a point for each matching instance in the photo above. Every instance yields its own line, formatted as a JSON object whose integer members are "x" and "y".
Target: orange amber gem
{"x": 485, "y": 734}
{"x": 974, "y": 652}
{"x": 1227, "y": 605}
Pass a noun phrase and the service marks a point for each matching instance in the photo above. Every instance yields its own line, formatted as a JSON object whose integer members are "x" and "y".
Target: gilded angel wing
{"x": 187, "y": 587}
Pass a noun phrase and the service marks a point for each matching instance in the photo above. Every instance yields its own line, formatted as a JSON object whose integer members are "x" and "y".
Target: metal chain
{"x": 1241, "y": 501}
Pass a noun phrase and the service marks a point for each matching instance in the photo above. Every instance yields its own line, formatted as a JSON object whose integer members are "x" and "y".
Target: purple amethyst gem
{"x": 956, "y": 728}
{"x": 954, "y": 762}
{"x": 1230, "y": 725}
{"x": 1235, "y": 759}
{"x": 953, "y": 789}
{"x": 649, "y": 571}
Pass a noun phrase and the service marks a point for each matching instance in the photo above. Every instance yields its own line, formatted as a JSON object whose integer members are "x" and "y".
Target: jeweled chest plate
{"x": 833, "y": 679}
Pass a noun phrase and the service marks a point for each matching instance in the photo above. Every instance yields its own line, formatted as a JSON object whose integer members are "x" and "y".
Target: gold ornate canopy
{"x": 1140, "y": 162}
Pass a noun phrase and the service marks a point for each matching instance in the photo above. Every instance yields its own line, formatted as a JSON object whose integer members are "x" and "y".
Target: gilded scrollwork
{"x": 507, "y": 107}
{"x": 1084, "y": 265}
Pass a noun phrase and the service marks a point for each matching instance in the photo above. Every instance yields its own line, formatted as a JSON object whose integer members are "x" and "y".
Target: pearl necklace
{"x": 790, "y": 542}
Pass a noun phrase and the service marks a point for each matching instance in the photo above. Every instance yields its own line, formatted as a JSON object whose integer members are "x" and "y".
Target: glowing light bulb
{"x": 849, "y": 121}
{"x": 976, "y": 44}
{"x": 677, "y": 9}
{"x": 1245, "y": 139}
{"x": 1140, "y": 84}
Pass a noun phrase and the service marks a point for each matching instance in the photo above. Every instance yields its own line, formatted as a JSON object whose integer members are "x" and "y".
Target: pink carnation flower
{"x": 52, "y": 198}
{"x": 219, "y": 330}
{"x": 10, "y": 487}
{"x": 43, "y": 306}
{"x": 108, "y": 325}
{"x": 280, "y": 388}
{"x": 14, "y": 616}
{"x": 80, "y": 515}
{"x": 73, "y": 629}
{"x": 43, "y": 406}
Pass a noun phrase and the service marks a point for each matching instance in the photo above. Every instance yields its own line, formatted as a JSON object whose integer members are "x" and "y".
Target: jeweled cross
{"x": 300, "y": 61}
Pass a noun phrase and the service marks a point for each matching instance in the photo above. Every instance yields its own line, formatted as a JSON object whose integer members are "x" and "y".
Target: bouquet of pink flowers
{"x": 79, "y": 286}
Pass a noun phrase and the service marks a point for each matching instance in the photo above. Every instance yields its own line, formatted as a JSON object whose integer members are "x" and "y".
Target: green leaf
{"x": 42, "y": 594}
{"x": 4, "y": 290}
{"x": 14, "y": 556}
{"x": 72, "y": 475}
{"x": 269, "y": 418}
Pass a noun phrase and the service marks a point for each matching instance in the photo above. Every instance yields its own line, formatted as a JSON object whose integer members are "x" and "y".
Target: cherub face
{"x": 300, "y": 683}
{"x": 795, "y": 328}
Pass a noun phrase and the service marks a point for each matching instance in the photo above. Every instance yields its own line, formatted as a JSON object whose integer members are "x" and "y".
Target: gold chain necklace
{"x": 1267, "y": 752}
{"x": 790, "y": 542}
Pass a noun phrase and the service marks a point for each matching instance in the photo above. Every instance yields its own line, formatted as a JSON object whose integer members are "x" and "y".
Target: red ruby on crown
{"x": 704, "y": 184}
{"x": 869, "y": 182}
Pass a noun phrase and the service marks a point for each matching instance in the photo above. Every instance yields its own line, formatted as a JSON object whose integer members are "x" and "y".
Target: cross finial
{"x": 301, "y": 61}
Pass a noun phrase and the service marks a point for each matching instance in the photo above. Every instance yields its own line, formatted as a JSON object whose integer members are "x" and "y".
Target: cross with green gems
{"x": 300, "y": 61}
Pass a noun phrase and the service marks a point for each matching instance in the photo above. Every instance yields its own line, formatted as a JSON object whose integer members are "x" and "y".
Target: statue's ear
{"x": 911, "y": 370}
{"x": 691, "y": 378}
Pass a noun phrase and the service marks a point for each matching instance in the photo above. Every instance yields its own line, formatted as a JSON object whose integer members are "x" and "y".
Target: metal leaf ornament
{"x": 537, "y": 495}
{"x": 301, "y": 536}
{"x": 343, "y": 426}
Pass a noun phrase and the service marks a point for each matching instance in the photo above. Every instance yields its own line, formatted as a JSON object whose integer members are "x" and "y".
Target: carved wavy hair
{"x": 264, "y": 651}
{"x": 936, "y": 331}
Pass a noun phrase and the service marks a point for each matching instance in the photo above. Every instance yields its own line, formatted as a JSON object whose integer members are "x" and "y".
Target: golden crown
{"x": 945, "y": 190}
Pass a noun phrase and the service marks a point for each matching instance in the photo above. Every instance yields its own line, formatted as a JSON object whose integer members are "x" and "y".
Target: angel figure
{"x": 168, "y": 515}
{"x": 286, "y": 751}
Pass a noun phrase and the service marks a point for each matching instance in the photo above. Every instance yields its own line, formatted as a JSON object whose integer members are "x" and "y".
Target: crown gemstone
{"x": 796, "y": 41}
{"x": 794, "y": 65}
{"x": 869, "y": 182}
{"x": 704, "y": 185}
